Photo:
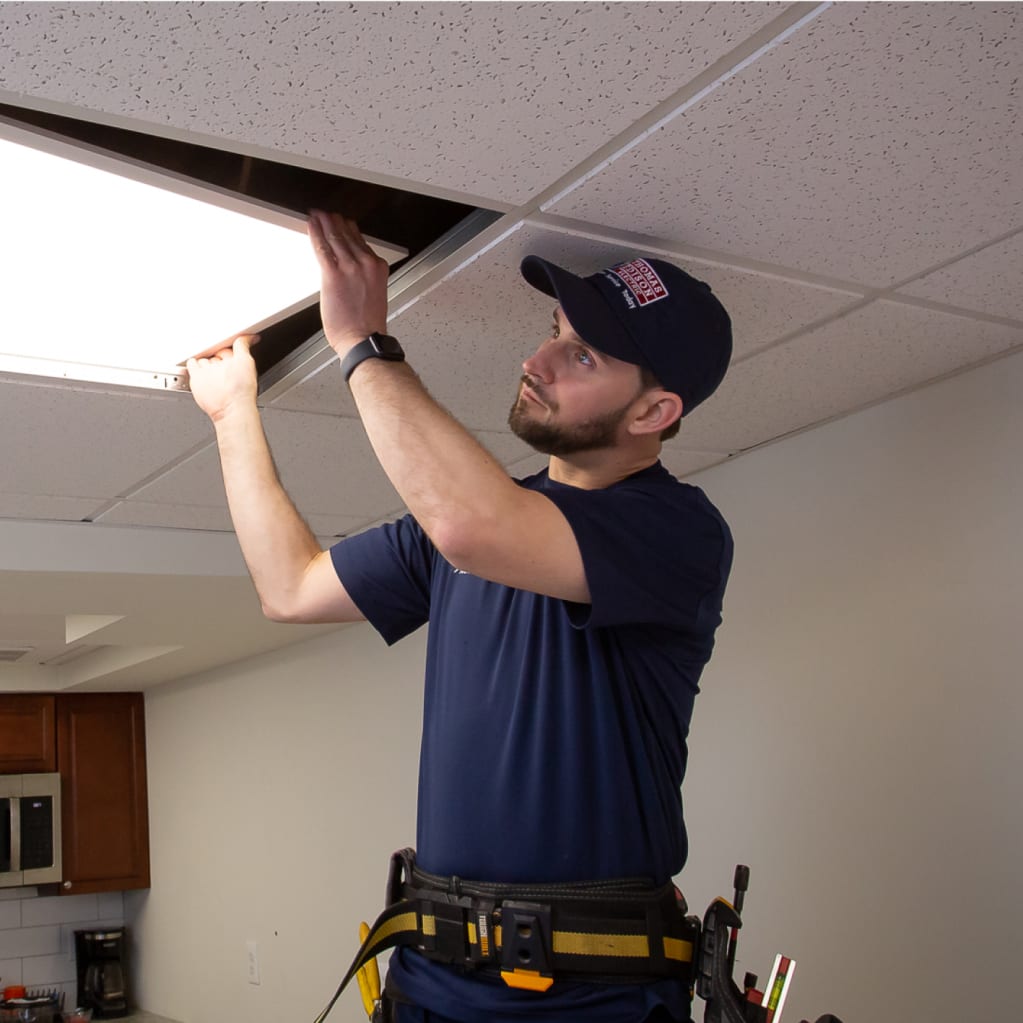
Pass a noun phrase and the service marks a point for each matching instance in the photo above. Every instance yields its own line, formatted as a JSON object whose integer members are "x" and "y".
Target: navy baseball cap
{"x": 647, "y": 312}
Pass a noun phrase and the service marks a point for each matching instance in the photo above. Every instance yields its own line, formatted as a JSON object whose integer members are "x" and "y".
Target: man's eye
{"x": 584, "y": 357}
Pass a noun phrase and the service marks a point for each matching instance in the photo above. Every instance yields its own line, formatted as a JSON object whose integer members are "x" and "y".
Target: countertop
{"x": 138, "y": 1016}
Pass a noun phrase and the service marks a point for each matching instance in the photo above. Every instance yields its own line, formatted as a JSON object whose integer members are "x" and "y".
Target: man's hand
{"x": 353, "y": 293}
{"x": 226, "y": 379}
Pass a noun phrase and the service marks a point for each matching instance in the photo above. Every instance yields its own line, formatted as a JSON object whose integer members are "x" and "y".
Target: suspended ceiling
{"x": 847, "y": 177}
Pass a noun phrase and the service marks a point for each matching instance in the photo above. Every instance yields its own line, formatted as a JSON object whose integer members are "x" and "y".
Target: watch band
{"x": 376, "y": 346}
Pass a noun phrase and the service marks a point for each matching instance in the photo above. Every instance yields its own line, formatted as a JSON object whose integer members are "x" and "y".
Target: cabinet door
{"x": 27, "y": 734}
{"x": 101, "y": 755}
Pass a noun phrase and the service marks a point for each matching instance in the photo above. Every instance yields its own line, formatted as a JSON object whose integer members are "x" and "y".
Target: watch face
{"x": 387, "y": 346}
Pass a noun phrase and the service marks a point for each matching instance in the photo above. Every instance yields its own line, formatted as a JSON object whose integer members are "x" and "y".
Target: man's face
{"x": 571, "y": 397}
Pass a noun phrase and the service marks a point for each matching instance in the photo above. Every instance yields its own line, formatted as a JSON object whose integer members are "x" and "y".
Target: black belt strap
{"x": 608, "y": 931}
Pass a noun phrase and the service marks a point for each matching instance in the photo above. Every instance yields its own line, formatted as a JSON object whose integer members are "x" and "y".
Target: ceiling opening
{"x": 205, "y": 192}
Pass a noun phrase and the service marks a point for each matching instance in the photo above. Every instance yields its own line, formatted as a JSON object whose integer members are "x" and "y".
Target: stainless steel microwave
{"x": 29, "y": 829}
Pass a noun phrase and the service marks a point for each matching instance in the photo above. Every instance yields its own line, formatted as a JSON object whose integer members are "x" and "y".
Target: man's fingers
{"x": 318, "y": 237}
{"x": 349, "y": 230}
{"x": 244, "y": 342}
{"x": 336, "y": 238}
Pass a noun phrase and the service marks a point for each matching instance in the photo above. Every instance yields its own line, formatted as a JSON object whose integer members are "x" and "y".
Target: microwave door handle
{"x": 15, "y": 804}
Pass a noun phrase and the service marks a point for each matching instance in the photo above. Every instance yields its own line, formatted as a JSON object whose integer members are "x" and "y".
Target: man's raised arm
{"x": 478, "y": 518}
{"x": 293, "y": 576}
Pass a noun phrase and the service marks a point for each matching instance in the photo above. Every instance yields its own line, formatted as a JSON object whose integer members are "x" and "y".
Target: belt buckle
{"x": 526, "y": 950}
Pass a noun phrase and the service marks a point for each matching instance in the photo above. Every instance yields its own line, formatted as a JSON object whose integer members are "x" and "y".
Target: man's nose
{"x": 540, "y": 363}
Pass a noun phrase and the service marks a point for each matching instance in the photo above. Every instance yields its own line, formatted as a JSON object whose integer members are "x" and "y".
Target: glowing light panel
{"x": 138, "y": 272}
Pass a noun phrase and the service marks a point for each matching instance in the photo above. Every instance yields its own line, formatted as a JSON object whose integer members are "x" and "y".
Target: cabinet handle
{"x": 67, "y": 884}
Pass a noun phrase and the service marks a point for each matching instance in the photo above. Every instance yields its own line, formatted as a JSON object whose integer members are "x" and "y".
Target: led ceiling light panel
{"x": 114, "y": 271}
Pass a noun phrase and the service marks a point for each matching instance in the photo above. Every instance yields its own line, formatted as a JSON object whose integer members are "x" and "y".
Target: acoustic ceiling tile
{"x": 85, "y": 443}
{"x": 325, "y": 390}
{"x": 764, "y": 308}
{"x": 684, "y": 463}
{"x": 493, "y": 100}
{"x": 325, "y": 464}
{"x": 988, "y": 281}
{"x": 878, "y": 141}
{"x": 42, "y": 506}
{"x": 184, "y": 516}
{"x": 328, "y": 467}
{"x": 167, "y": 516}
{"x": 194, "y": 483}
{"x": 872, "y": 354}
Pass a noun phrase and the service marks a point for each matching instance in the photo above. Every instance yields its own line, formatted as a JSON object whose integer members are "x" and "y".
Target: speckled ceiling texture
{"x": 879, "y": 139}
{"x": 491, "y": 99}
{"x": 847, "y": 177}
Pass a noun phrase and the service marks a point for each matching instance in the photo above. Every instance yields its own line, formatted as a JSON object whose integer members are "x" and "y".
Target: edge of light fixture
{"x": 163, "y": 378}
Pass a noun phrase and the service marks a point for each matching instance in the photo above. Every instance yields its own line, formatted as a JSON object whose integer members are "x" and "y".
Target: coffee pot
{"x": 102, "y": 982}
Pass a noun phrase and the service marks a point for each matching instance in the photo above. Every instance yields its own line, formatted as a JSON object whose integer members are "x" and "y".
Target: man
{"x": 571, "y": 615}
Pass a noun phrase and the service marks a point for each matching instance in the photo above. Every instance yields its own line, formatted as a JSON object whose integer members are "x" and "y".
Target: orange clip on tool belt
{"x": 618, "y": 931}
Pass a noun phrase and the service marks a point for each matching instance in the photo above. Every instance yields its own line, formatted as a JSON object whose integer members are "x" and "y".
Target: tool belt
{"x": 617, "y": 931}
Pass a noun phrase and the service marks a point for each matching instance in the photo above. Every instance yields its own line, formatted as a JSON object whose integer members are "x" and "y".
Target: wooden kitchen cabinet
{"x": 27, "y": 734}
{"x": 97, "y": 741}
{"x": 101, "y": 756}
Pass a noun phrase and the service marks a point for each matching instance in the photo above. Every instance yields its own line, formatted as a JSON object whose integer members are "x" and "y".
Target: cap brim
{"x": 584, "y": 307}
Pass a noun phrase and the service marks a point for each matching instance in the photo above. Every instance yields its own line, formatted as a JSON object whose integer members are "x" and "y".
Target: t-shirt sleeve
{"x": 387, "y": 572}
{"x": 650, "y": 557}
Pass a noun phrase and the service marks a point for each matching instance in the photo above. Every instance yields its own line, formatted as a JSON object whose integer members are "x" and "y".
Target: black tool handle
{"x": 741, "y": 885}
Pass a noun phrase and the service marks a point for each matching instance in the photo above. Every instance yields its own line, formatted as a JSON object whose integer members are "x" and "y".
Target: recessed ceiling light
{"x": 117, "y": 271}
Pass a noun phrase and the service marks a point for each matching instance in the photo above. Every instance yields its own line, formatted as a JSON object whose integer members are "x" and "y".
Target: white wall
{"x": 278, "y": 788}
{"x": 854, "y": 744}
{"x": 857, "y": 739}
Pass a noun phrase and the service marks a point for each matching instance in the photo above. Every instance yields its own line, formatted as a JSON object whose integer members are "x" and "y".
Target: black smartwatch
{"x": 376, "y": 346}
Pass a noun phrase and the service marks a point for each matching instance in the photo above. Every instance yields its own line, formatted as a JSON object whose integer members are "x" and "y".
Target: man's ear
{"x": 657, "y": 409}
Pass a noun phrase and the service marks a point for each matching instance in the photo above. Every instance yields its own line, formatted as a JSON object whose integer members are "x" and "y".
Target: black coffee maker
{"x": 101, "y": 957}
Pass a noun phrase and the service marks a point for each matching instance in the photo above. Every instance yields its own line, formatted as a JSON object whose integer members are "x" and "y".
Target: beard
{"x": 551, "y": 438}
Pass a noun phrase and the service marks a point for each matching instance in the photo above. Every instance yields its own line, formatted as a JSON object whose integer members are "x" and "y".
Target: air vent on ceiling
{"x": 13, "y": 653}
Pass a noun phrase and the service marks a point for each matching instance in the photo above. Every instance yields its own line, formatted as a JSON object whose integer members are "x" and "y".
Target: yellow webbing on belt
{"x": 580, "y": 943}
{"x": 399, "y": 925}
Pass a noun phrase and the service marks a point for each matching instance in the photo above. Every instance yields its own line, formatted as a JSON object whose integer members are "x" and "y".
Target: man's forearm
{"x": 276, "y": 543}
{"x": 448, "y": 480}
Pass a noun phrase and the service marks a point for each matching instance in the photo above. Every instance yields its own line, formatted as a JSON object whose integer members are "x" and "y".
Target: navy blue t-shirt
{"x": 554, "y": 734}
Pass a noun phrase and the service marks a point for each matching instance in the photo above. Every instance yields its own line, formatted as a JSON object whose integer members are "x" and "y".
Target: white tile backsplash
{"x": 37, "y": 936}
{"x": 58, "y": 910}
{"x": 48, "y": 971}
{"x": 10, "y": 971}
{"x": 30, "y": 941}
{"x": 10, "y": 915}
{"x": 110, "y": 906}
